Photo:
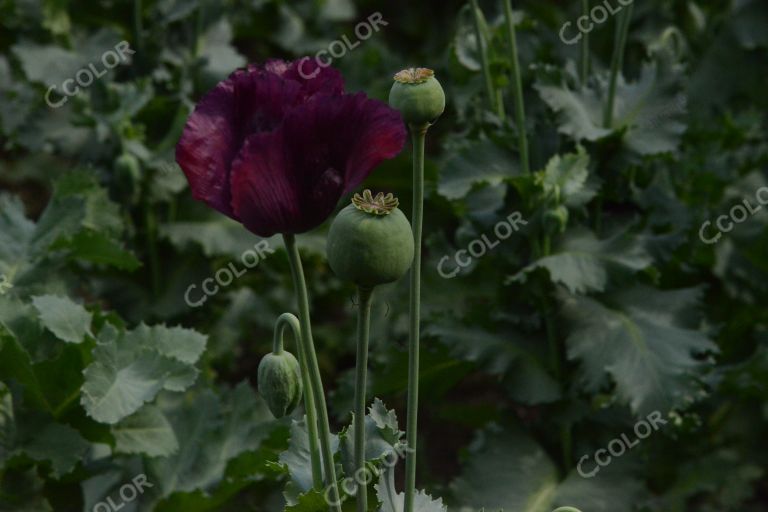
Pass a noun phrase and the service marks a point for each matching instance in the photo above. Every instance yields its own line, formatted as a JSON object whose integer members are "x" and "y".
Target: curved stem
{"x": 517, "y": 89}
{"x": 289, "y": 320}
{"x": 418, "y": 134}
{"x": 622, "y": 29}
{"x": 316, "y": 383}
{"x": 494, "y": 101}
{"x": 365, "y": 296}
{"x": 584, "y": 68}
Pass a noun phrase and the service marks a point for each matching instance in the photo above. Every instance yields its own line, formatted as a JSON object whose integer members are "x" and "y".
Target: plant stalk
{"x": 316, "y": 383}
{"x": 584, "y": 68}
{"x": 150, "y": 220}
{"x": 622, "y": 29}
{"x": 555, "y": 361}
{"x": 365, "y": 296}
{"x": 418, "y": 135}
{"x": 289, "y": 320}
{"x": 517, "y": 89}
{"x": 494, "y": 101}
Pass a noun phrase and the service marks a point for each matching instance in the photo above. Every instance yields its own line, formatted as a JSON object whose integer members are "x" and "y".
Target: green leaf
{"x": 392, "y": 501}
{"x": 185, "y": 345}
{"x": 61, "y": 445}
{"x": 297, "y": 459}
{"x": 211, "y": 431}
{"x": 500, "y": 352}
{"x": 643, "y": 339}
{"x": 583, "y": 263}
{"x": 125, "y": 374}
{"x": 37, "y": 437}
{"x": 568, "y": 177}
{"x": 382, "y": 438}
{"x": 506, "y": 470}
{"x": 649, "y": 112}
{"x": 221, "y": 56}
{"x": 22, "y": 491}
{"x": 146, "y": 432}
{"x": 608, "y": 491}
{"x": 481, "y": 161}
{"x": 310, "y": 501}
{"x": 99, "y": 248}
{"x": 69, "y": 321}
{"x": 216, "y": 237}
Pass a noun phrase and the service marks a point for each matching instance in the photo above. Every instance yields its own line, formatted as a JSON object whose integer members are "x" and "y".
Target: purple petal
{"x": 249, "y": 101}
{"x": 291, "y": 180}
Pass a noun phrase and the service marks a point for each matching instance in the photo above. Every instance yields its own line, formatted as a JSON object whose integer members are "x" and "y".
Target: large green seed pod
{"x": 418, "y": 96}
{"x": 370, "y": 241}
{"x": 279, "y": 380}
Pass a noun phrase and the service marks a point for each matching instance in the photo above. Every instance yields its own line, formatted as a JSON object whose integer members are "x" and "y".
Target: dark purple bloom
{"x": 276, "y": 151}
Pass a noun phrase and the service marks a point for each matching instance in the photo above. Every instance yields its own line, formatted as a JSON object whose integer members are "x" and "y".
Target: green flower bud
{"x": 556, "y": 219}
{"x": 370, "y": 241}
{"x": 128, "y": 177}
{"x": 279, "y": 380}
{"x": 418, "y": 96}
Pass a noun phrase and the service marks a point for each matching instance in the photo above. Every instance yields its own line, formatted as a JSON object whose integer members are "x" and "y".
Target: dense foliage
{"x": 595, "y": 297}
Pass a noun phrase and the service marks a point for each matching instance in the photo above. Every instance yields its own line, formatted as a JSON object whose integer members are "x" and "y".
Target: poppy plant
{"x": 276, "y": 151}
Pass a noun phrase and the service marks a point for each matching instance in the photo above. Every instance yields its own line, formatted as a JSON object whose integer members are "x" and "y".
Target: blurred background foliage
{"x": 532, "y": 356}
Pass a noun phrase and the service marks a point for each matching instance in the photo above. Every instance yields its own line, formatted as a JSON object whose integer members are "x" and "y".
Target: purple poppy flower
{"x": 276, "y": 151}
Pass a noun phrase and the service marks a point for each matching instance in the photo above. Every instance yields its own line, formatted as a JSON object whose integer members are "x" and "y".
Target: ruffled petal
{"x": 208, "y": 145}
{"x": 291, "y": 180}
{"x": 314, "y": 79}
{"x": 249, "y": 101}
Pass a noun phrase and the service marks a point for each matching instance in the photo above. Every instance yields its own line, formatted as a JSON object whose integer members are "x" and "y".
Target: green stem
{"x": 365, "y": 296}
{"x": 316, "y": 383}
{"x": 151, "y": 227}
{"x": 622, "y": 29}
{"x": 584, "y": 68}
{"x": 517, "y": 89}
{"x": 418, "y": 135}
{"x": 138, "y": 28}
{"x": 482, "y": 49}
{"x": 290, "y": 320}
{"x": 555, "y": 360}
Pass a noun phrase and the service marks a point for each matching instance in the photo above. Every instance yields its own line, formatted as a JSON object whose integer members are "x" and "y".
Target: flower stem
{"x": 316, "y": 383}
{"x": 151, "y": 232}
{"x": 138, "y": 26}
{"x": 364, "y": 296}
{"x": 494, "y": 101}
{"x": 517, "y": 89}
{"x": 418, "y": 135}
{"x": 290, "y": 320}
{"x": 555, "y": 360}
{"x": 622, "y": 29}
{"x": 584, "y": 68}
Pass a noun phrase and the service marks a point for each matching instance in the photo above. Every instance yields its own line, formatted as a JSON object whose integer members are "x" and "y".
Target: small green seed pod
{"x": 279, "y": 380}
{"x": 418, "y": 96}
{"x": 370, "y": 241}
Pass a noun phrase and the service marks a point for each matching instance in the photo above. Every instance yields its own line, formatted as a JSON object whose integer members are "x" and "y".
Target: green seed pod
{"x": 418, "y": 96}
{"x": 370, "y": 241}
{"x": 279, "y": 379}
{"x": 556, "y": 219}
